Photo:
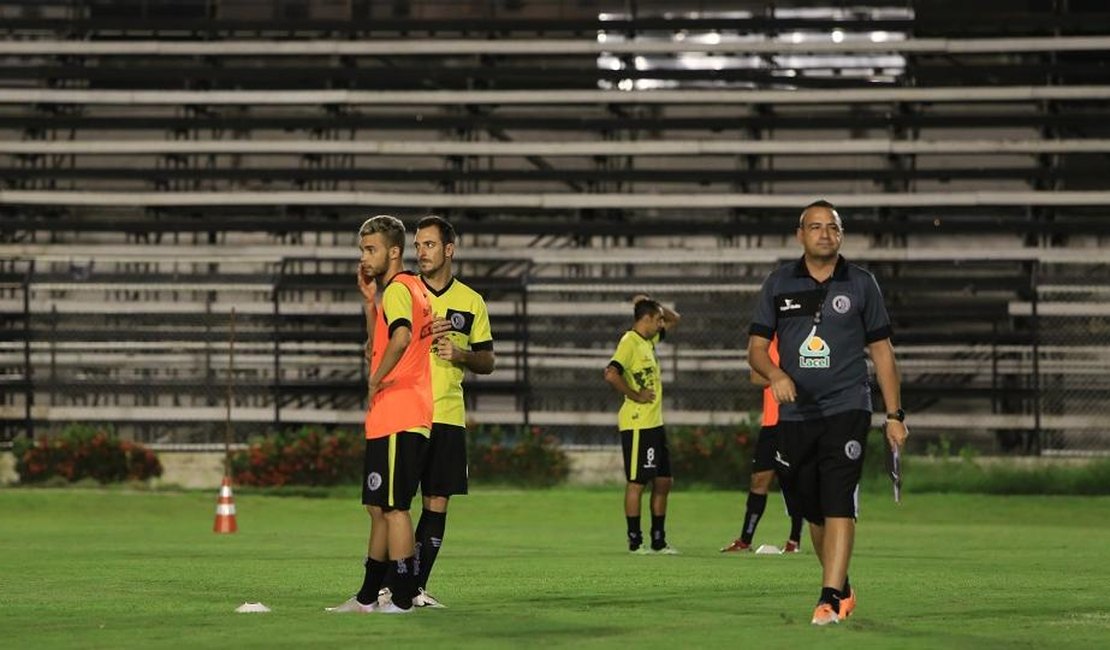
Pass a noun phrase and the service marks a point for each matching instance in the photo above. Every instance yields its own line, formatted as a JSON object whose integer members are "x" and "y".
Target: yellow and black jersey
{"x": 636, "y": 361}
{"x": 470, "y": 330}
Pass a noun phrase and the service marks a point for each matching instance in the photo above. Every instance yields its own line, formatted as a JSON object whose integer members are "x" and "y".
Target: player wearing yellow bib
{"x": 634, "y": 373}
{"x": 463, "y": 342}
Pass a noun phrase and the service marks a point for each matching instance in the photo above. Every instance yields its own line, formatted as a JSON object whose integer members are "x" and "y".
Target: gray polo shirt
{"x": 823, "y": 354}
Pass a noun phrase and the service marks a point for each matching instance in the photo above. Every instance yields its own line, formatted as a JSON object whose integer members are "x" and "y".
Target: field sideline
{"x": 116, "y": 569}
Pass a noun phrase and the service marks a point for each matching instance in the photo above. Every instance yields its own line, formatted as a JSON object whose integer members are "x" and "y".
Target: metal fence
{"x": 1014, "y": 367}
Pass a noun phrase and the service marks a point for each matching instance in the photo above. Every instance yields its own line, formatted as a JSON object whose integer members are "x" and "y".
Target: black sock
{"x": 372, "y": 581}
{"x": 429, "y": 537}
{"x": 757, "y": 503}
{"x": 796, "y": 529}
{"x": 406, "y": 574}
{"x": 658, "y": 532}
{"x": 847, "y": 590}
{"x": 830, "y": 596}
{"x": 635, "y": 537}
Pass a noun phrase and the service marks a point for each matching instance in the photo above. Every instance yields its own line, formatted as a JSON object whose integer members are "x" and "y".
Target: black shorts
{"x": 645, "y": 454}
{"x": 763, "y": 459}
{"x": 445, "y": 472}
{"x": 391, "y": 469}
{"x": 820, "y": 461}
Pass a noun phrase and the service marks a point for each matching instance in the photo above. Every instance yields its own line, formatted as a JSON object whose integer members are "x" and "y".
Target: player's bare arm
{"x": 759, "y": 358}
{"x": 480, "y": 362}
{"x": 369, "y": 290}
{"x": 616, "y": 380}
{"x": 671, "y": 317}
{"x": 758, "y": 379}
{"x": 890, "y": 384}
{"x": 398, "y": 341}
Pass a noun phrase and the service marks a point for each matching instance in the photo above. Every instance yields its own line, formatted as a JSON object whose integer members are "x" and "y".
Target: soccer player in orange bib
{"x": 399, "y": 419}
{"x": 763, "y": 471}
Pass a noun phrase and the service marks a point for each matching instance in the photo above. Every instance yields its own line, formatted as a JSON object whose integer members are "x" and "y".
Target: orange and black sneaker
{"x": 824, "y": 614}
{"x": 736, "y": 546}
{"x": 847, "y": 604}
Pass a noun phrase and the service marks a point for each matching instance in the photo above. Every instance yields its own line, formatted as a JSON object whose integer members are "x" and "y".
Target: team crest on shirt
{"x": 461, "y": 321}
{"x": 814, "y": 351}
{"x": 374, "y": 481}
{"x": 841, "y": 304}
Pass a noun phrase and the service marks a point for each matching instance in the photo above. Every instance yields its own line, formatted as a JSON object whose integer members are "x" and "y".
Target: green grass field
{"x": 115, "y": 569}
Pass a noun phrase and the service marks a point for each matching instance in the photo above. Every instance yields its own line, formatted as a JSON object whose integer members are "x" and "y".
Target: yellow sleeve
{"x": 480, "y": 332}
{"x": 624, "y": 356}
{"x": 397, "y": 306}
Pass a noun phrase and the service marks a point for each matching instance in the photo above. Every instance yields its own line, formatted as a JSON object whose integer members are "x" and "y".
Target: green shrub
{"x": 523, "y": 456}
{"x": 305, "y": 456}
{"x": 83, "y": 452}
{"x": 714, "y": 456}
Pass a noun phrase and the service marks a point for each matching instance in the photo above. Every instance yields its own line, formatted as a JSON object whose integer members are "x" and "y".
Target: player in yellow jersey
{"x": 463, "y": 343}
{"x": 634, "y": 373}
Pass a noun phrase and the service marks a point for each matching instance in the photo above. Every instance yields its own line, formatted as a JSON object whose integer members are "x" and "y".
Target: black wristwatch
{"x": 899, "y": 415}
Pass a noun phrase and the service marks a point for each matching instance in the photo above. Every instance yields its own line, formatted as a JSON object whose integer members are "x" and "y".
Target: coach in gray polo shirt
{"x": 825, "y": 312}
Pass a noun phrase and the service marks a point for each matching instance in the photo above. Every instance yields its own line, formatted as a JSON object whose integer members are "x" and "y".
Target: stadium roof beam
{"x": 1088, "y": 116}
{"x": 556, "y": 148}
{"x": 555, "y": 97}
{"x": 545, "y": 256}
{"x": 548, "y": 201}
{"x": 541, "y": 47}
{"x": 520, "y": 224}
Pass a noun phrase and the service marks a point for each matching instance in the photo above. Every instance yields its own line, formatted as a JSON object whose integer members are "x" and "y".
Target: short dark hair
{"x": 389, "y": 226}
{"x": 446, "y": 230}
{"x": 646, "y": 307}
{"x": 819, "y": 203}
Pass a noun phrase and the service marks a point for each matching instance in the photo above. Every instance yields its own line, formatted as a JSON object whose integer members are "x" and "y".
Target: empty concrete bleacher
{"x": 164, "y": 162}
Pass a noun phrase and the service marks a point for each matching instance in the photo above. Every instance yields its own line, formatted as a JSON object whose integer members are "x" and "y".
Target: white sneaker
{"x": 424, "y": 599}
{"x": 666, "y": 550}
{"x": 351, "y": 605}
{"x": 385, "y": 603}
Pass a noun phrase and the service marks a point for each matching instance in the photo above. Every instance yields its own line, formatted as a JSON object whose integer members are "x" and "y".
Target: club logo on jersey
{"x": 841, "y": 304}
{"x": 814, "y": 351}
{"x": 374, "y": 481}
{"x": 461, "y": 321}
{"x": 853, "y": 450}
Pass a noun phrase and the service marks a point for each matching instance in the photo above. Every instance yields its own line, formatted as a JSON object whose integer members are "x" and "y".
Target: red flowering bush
{"x": 524, "y": 456}
{"x": 84, "y": 452}
{"x": 305, "y": 456}
{"x": 718, "y": 456}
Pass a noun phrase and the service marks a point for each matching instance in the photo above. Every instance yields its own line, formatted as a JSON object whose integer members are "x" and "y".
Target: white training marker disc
{"x": 768, "y": 549}
{"x": 252, "y": 608}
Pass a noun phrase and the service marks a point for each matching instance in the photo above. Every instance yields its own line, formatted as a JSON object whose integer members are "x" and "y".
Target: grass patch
{"x": 118, "y": 569}
{"x": 975, "y": 476}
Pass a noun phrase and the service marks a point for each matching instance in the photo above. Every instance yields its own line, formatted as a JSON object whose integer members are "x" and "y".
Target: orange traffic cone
{"x": 225, "y": 509}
